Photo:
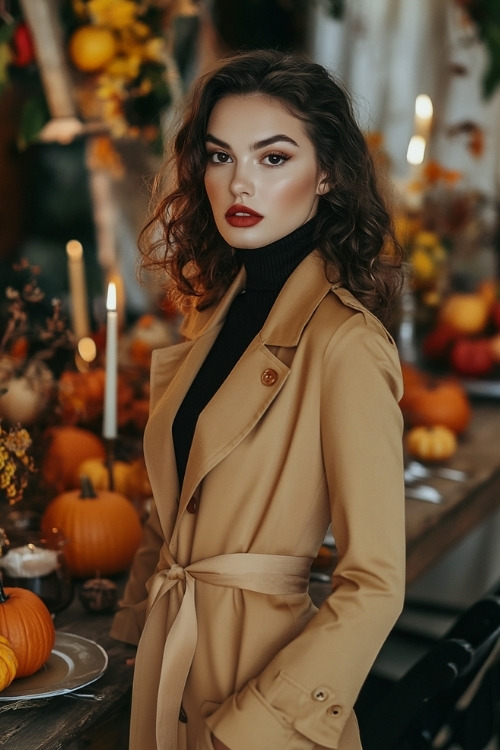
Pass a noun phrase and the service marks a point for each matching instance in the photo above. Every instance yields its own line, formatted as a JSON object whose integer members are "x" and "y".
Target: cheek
{"x": 301, "y": 190}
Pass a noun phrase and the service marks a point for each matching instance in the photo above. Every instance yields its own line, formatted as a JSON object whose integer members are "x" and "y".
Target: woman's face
{"x": 262, "y": 179}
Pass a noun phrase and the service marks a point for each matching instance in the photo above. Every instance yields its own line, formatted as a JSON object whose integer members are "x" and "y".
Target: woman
{"x": 277, "y": 416}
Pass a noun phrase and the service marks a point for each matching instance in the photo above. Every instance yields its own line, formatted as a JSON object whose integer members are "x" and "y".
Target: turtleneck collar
{"x": 268, "y": 267}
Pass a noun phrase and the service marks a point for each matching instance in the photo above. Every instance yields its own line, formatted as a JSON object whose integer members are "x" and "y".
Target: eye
{"x": 276, "y": 159}
{"x": 218, "y": 157}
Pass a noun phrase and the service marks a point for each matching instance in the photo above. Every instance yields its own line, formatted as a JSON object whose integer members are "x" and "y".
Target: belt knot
{"x": 176, "y": 573}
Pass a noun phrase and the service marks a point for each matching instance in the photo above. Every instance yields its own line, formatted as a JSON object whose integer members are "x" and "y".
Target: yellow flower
{"x": 15, "y": 462}
{"x": 153, "y": 49}
{"x": 114, "y": 13}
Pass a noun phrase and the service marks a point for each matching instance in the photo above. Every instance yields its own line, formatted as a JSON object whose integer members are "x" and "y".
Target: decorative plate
{"x": 73, "y": 663}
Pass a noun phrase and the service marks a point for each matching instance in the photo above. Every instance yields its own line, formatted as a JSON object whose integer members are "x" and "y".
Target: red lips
{"x": 242, "y": 216}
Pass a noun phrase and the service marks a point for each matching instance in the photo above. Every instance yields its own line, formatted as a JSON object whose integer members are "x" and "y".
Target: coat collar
{"x": 174, "y": 368}
{"x": 300, "y": 296}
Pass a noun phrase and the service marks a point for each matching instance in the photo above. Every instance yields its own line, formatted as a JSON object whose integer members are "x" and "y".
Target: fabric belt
{"x": 266, "y": 574}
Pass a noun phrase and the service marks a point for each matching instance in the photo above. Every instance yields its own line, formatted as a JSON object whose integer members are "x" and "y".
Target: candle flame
{"x": 416, "y": 150}
{"x": 423, "y": 106}
{"x": 111, "y": 298}
{"x": 74, "y": 250}
{"x": 87, "y": 349}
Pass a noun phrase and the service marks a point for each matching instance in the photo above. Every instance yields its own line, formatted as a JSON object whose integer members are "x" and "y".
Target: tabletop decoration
{"x": 16, "y": 463}
{"x": 434, "y": 443}
{"x": 65, "y": 447}
{"x": 109, "y": 427}
{"x": 449, "y": 245}
{"x": 27, "y": 624}
{"x": 102, "y": 527}
{"x": 98, "y": 595}
{"x": 37, "y": 562}
{"x": 77, "y": 289}
{"x": 35, "y": 346}
{"x": 8, "y": 663}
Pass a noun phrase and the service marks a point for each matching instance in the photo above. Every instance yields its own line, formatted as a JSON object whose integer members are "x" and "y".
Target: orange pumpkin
{"x": 102, "y": 528}
{"x": 67, "y": 447}
{"x": 28, "y": 626}
{"x": 441, "y": 401}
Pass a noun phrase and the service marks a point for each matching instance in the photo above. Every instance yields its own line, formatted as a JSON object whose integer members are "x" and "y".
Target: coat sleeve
{"x": 129, "y": 621}
{"x": 306, "y": 694}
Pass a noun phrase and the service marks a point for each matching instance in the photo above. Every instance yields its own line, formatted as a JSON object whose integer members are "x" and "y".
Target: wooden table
{"x": 431, "y": 530}
{"x": 62, "y": 722}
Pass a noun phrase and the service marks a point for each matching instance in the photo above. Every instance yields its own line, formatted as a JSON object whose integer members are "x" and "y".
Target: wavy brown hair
{"x": 354, "y": 231}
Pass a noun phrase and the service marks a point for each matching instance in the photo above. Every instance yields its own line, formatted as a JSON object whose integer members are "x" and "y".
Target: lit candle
{"x": 115, "y": 276}
{"x": 416, "y": 151}
{"x": 78, "y": 289}
{"x": 415, "y": 158}
{"x": 423, "y": 116}
{"x": 29, "y": 561}
{"x": 110, "y": 390}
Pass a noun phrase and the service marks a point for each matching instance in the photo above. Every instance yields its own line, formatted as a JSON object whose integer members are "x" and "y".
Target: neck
{"x": 269, "y": 266}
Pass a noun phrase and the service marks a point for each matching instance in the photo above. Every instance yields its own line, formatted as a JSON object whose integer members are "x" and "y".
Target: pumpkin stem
{"x": 87, "y": 487}
{"x": 3, "y": 595}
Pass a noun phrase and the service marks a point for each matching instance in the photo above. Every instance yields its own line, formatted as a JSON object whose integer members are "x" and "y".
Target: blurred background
{"x": 88, "y": 89}
{"x": 89, "y": 92}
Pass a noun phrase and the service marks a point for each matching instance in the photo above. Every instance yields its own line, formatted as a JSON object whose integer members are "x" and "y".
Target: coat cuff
{"x": 247, "y": 720}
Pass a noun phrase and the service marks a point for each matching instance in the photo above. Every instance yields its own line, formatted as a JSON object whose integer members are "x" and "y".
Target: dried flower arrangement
{"x": 16, "y": 462}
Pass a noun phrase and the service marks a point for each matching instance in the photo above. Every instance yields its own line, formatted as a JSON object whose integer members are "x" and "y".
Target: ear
{"x": 323, "y": 185}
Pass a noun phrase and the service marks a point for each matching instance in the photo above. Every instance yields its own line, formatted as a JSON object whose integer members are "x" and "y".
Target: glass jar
{"x": 37, "y": 562}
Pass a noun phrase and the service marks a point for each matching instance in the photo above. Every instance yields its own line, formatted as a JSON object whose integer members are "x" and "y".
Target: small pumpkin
{"x": 8, "y": 663}
{"x": 28, "y": 626}
{"x": 97, "y": 471}
{"x": 98, "y": 595}
{"x": 434, "y": 443}
{"x": 437, "y": 401}
{"x": 102, "y": 528}
{"x": 66, "y": 448}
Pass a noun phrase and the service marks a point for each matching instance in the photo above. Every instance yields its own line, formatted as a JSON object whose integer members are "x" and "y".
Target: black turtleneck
{"x": 267, "y": 268}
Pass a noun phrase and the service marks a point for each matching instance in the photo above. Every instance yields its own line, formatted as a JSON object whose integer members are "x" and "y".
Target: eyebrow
{"x": 256, "y": 146}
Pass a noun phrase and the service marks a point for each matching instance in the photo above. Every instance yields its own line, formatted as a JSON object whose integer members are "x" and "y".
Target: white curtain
{"x": 389, "y": 51}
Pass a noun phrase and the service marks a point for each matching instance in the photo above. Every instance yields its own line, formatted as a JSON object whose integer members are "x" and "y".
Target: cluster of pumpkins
{"x": 102, "y": 529}
{"x": 436, "y": 411}
{"x": 464, "y": 342}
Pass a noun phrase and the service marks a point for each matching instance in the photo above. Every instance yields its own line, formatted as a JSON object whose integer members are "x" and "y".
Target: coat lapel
{"x": 245, "y": 394}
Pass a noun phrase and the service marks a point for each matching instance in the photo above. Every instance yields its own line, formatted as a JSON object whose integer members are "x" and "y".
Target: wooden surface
{"x": 63, "y": 722}
{"x": 432, "y": 530}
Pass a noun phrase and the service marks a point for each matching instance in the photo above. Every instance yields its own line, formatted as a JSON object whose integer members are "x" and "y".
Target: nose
{"x": 241, "y": 180}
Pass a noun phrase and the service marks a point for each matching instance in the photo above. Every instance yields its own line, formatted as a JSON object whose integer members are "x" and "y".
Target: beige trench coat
{"x": 306, "y": 430}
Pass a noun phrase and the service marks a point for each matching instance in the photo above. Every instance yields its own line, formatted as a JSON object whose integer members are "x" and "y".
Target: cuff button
{"x": 334, "y": 711}
{"x": 320, "y": 694}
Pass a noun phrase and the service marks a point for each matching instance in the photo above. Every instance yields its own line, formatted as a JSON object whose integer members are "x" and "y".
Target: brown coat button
{"x": 192, "y": 506}
{"x": 183, "y": 716}
{"x": 269, "y": 376}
